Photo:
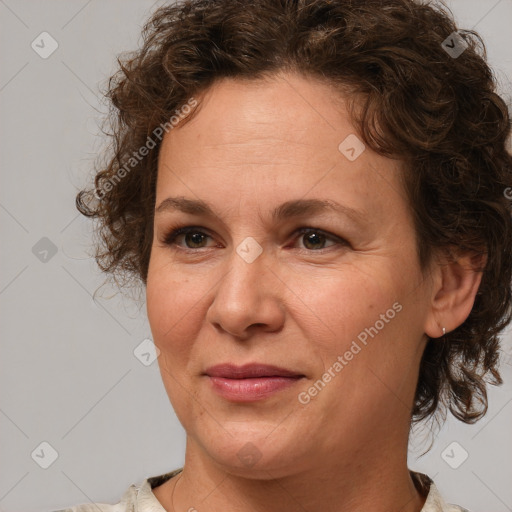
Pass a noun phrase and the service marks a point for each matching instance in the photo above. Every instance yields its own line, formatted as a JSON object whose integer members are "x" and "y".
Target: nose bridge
{"x": 245, "y": 296}
{"x": 247, "y": 269}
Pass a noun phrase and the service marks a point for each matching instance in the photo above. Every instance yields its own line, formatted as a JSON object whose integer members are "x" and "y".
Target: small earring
{"x": 444, "y": 331}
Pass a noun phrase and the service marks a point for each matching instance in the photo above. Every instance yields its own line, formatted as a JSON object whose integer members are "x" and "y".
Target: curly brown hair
{"x": 436, "y": 111}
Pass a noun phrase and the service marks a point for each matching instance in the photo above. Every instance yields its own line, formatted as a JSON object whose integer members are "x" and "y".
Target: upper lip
{"x": 247, "y": 371}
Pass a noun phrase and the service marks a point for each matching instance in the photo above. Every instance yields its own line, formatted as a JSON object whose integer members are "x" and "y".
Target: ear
{"x": 456, "y": 280}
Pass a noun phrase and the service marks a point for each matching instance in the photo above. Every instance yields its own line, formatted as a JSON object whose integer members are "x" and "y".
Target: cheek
{"x": 342, "y": 303}
{"x": 173, "y": 302}
{"x": 173, "y": 309}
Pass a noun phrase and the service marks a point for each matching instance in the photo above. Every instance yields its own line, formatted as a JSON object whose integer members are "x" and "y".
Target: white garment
{"x": 140, "y": 498}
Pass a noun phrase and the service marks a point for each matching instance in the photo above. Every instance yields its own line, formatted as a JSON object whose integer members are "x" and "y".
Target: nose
{"x": 248, "y": 299}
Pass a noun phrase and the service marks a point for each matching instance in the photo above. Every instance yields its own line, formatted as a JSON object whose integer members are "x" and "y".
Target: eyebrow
{"x": 287, "y": 210}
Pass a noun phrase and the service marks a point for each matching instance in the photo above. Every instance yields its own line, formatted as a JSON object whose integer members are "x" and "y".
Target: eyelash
{"x": 170, "y": 237}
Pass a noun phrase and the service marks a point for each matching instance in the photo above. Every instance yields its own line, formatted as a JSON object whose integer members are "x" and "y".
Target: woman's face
{"x": 342, "y": 307}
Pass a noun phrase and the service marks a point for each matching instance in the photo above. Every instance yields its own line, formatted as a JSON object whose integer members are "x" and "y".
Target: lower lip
{"x": 250, "y": 390}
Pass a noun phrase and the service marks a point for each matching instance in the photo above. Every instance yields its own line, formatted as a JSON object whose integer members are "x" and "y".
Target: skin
{"x": 299, "y": 305}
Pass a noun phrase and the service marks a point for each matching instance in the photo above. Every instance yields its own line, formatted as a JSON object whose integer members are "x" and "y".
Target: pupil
{"x": 314, "y": 238}
{"x": 197, "y": 238}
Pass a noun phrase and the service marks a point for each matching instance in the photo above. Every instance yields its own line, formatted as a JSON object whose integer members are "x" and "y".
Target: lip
{"x": 248, "y": 371}
{"x": 250, "y": 382}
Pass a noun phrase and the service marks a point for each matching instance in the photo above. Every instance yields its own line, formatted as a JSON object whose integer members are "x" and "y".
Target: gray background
{"x": 68, "y": 373}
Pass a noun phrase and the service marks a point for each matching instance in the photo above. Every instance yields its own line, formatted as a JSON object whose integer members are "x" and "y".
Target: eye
{"x": 313, "y": 237}
{"x": 195, "y": 237}
{"x": 192, "y": 235}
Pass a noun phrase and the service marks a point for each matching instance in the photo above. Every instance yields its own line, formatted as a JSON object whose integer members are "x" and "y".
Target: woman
{"x": 314, "y": 195}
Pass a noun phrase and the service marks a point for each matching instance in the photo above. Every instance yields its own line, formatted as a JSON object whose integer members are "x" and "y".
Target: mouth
{"x": 250, "y": 382}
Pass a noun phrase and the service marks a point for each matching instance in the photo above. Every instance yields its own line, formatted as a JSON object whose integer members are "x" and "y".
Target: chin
{"x": 250, "y": 452}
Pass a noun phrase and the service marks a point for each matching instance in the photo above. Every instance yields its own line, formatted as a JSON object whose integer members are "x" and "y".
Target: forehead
{"x": 286, "y": 107}
{"x": 271, "y": 141}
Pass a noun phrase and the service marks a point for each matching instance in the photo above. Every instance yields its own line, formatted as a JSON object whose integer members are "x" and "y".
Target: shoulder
{"x": 137, "y": 498}
{"x": 126, "y": 503}
{"x": 140, "y": 498}
{"x": 434, "y": 501}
